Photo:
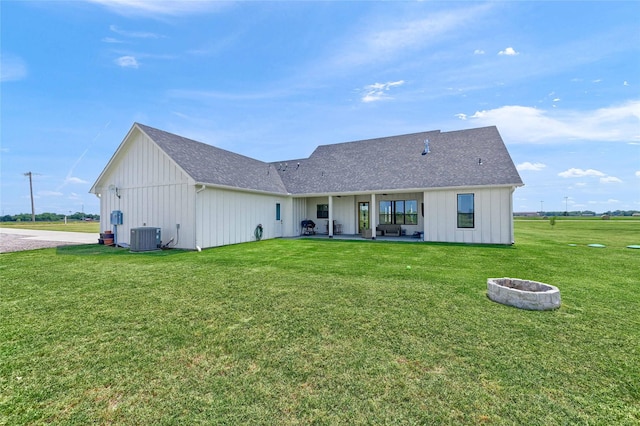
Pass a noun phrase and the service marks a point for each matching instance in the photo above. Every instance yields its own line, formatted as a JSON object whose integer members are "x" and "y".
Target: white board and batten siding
{"x": 298, "y": 214}
{"x": 225, "y": 216}
{"x": 492, "y": 216}
{"x": 153, "y": 192}
{"x": 345, "y": 213}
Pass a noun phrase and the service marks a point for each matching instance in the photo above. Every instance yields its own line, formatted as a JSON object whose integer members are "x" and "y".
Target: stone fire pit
{"x": 523, "y": 294}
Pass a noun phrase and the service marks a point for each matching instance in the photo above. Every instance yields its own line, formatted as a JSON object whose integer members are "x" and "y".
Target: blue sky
{"x": 272, "y": 80}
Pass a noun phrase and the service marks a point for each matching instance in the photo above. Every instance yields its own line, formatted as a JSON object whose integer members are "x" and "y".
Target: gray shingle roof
{"x": 390, "y": 163}
{"x": 210, "y": 165}
{"x": 396, "y": 163}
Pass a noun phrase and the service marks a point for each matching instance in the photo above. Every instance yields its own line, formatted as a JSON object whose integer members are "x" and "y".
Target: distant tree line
{"x": 48, "y": 217}
{"x": 622, "y": 212}
{"x": 580, "y": 213}
{"x": 573, "y": 213}
{"x": 591, "y": 213}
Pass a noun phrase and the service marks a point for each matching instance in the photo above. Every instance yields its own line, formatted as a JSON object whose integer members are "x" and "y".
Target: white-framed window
{"x": 466, "y": 213}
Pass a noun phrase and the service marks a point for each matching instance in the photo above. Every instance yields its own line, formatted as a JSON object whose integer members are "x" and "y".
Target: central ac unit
{"x": 145, "y": 239}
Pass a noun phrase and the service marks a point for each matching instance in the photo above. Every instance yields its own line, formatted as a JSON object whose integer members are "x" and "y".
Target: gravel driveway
{"x": 28, "y": 239}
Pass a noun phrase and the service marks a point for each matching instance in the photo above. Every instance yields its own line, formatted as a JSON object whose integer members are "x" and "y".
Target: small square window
{"x": 322, "y": 211}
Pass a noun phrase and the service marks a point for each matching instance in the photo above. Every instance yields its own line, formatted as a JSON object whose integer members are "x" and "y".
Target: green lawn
{"x": 70, "y": 226}
{"x": 324, "y": 332}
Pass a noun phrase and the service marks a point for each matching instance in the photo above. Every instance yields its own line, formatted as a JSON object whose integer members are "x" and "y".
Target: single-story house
{"x": 438, "y": 186}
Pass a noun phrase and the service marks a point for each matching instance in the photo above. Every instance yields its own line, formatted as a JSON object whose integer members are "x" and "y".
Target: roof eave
{"x": 450, "y": 188}
{"x": 235, "y": 188}
{"x": 403, "y": 190}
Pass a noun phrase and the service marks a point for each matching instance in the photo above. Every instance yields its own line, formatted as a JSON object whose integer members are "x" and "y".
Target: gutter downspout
{"x": 195, "y": 221}
{"x": 511, "y": 228}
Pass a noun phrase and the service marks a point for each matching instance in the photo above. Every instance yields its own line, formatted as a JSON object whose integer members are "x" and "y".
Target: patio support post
{"x": 330, "y": 216}
{"x": 373, "y": 216}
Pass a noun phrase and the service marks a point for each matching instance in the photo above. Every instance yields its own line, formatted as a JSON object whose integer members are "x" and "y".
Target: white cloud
{"x": 521, "y": 124}
{"x": 74, "y": 196}
{"x": 111, "y": 40}
{"x": 207, "y": 95}
{"x": 509, "y": 51}
{"x": 12, "y": 68}
{"x": 626, "y": 83}
{"x": 384, "y": 39}
{"x": 378, "y": 91}
{"x": 576, "y": 173}
{"x": 74, "y": 180}
{"x": 50, "y": 193}
{"x": 638, "y": 173}
{"x": 127, "y": 62}
{"x": 133, "y": 34}
{"x": 462, "y": 116}
{"x": 536, "y": 167}
{"x": 159, "y": 8}
{"x": 610, "y": 179}
{"x": 478, "y": 52}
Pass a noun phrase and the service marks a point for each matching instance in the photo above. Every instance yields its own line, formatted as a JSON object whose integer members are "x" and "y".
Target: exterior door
{"x": 278, "y": 224}
{"x": 363, "y": 216}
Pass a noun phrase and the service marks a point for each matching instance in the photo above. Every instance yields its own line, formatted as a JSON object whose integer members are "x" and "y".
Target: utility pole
{"x": 33, "y": 209}
{"x": 541, "y": 209}
{"x": 566, "y": 209}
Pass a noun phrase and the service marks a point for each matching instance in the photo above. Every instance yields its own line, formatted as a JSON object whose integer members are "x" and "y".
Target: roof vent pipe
{"x": 426, "y": 147}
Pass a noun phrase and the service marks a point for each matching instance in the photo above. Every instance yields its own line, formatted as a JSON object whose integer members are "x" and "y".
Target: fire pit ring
{"x": 523, "y": 294}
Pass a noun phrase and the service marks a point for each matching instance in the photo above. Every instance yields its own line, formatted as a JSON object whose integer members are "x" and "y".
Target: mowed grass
{"x": 324, "y": 332}
{"x": 70, "y": 226}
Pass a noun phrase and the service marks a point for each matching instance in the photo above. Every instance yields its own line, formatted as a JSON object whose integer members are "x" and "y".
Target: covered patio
{"x": 398, "y": 214}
